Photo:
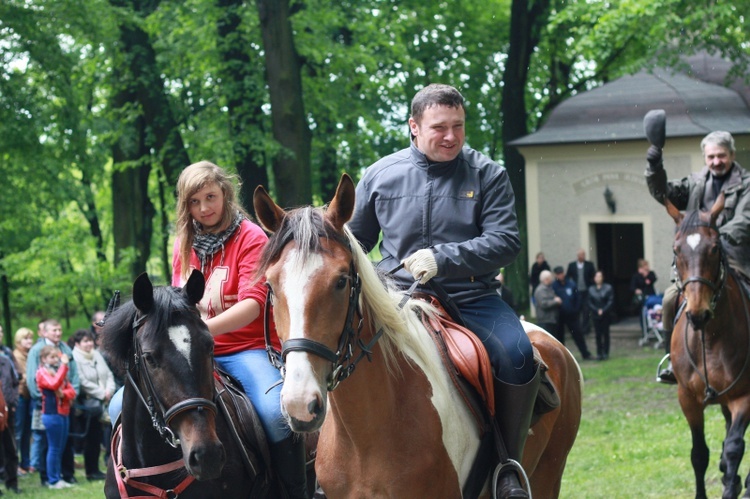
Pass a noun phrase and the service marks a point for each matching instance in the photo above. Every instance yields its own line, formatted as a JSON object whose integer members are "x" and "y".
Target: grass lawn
{"x": 84, "y": 489}
{"x": 633, "y": 440}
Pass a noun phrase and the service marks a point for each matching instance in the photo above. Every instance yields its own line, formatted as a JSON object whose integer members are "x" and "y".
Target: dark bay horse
{"x": 173, "y": 439}
{"x": 711, "y": 343}
{"x": 397, "y": 426}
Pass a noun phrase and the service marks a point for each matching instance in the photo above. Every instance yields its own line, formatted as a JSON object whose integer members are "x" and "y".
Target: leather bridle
{"x": 342, "y": 360}
{"x": 161, "y": 417}
{"x": 717, "y": 287}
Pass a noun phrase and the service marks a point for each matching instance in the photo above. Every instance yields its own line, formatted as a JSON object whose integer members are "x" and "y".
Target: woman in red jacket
{"x": 57, "y": 396}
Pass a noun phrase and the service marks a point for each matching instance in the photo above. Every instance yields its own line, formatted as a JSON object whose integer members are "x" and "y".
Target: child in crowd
{"x": 57, "y": 397}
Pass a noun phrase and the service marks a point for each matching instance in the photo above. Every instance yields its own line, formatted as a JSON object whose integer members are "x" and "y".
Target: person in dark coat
{"x": 581, "y": 272}
{"x": 600, "y": 301}
{"x": 9, "y": 381}
{"x": 536, "y": 269}
{"x": 570, "y": 307}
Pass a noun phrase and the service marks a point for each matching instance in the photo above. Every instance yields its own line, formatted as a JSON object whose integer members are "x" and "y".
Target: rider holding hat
{"x": 698, "y": 192}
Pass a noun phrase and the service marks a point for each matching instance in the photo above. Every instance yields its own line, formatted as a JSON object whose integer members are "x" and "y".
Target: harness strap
{"x": 124, "y": 476}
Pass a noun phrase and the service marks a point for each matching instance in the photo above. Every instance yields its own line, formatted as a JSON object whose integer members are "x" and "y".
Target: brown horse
{"x": 711, "y": 343}
{"x": 396, "y": 427}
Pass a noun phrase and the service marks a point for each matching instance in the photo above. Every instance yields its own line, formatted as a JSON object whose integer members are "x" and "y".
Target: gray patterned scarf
{"x": 206, "y": 244}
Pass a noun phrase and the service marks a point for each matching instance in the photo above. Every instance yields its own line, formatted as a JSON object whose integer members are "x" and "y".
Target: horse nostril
{"x": 316, "y": 406}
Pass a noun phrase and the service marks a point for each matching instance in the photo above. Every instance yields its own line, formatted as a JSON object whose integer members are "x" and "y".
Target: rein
{"x": 125, "y": 476}
{"x": 342, "y": 363}
{"x": 161, "y": 418}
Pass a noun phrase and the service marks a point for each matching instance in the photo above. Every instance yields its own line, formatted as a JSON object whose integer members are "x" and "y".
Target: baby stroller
{"x": 651, "y": 322}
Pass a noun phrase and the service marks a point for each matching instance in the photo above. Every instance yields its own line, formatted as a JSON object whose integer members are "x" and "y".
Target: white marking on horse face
{"x": 180, "y": 336}
{"x": 693, "y": 240}
{"x": 300, "y": 383}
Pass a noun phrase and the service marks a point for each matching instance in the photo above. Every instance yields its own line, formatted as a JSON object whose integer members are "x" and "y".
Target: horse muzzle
{"x": 698, "y": 319}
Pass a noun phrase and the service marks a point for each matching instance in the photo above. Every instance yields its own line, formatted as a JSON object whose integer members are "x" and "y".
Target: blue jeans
{"x": 115, "y": 406}
{"x": 23, "y": 430}
{"x": 56, "y": 427}
{"x": 501, "y": 332}
{"x": 255, "y": 372}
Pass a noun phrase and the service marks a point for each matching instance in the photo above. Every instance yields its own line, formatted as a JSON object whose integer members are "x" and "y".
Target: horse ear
{"x": 717, "y": 207}
{"x": 195, "y": 286}
{"x": 143, "y": 293}
{"x": 341, "y": 208}
{"x": 269, "y": 213}
{"x": 676, "y": 214}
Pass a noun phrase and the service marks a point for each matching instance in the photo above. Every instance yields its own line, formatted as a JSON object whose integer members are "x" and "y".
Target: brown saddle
{"x": 464, "y": 355}
{"x": 468, "y": 363}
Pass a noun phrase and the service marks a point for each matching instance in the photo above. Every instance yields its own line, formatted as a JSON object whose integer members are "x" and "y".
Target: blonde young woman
{"x": 23, "y": 340}
{"x": 216, "y": 236}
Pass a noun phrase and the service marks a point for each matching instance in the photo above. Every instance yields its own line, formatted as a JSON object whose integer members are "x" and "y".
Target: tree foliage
{"x": 103, "y": 102}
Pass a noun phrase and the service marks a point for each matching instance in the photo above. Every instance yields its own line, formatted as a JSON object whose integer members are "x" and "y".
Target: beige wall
{"x": 565, "y": 186}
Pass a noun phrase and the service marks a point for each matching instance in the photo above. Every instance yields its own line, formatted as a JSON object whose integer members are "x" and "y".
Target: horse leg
{"x": 727, "y": 423}
{"x": 693, "y": 412}
{"x": 734, "y": 449}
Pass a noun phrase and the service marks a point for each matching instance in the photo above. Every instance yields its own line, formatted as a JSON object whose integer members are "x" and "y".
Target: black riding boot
{"x": 514, "y": 405}
{"x": 288, "y": 461}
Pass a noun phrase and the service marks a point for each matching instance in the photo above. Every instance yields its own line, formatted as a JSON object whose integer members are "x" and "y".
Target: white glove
{"x": 422, "y": 265}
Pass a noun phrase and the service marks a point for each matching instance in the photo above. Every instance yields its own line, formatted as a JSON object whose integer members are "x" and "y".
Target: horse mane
{"x": 379, "y": 298}
{"x": 117, "y": 333}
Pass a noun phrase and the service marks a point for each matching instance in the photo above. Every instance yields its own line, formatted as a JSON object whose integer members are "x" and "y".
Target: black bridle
{"x": 717, "y": 286}
{"x": 161, "y": 418}
{"x": 342, "y": 360}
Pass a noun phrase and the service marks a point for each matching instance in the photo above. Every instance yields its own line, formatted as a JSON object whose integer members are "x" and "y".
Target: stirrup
{"x": 660, "y": 369}
{"x": 510, "y": 463}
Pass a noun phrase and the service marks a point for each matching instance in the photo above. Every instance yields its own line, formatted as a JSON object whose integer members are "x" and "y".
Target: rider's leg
{"x": 668, "y": 310}
{"x": 516, "y": 380}
{"x": 252, "y": 369}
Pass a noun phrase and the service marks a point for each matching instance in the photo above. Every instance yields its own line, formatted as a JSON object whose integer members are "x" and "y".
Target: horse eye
{"x": 149, "y": 360}
{"x": 714, "y": 250}
{"x": 341, "y": 283}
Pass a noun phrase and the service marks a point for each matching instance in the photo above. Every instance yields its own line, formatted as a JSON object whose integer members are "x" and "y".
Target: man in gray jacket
{"x": 698, "y": 191}
{"x": 547, "y": 304}
{"x": 447, "y": 212}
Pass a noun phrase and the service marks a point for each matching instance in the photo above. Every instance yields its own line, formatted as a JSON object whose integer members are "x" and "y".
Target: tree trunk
{"x": 141, "y": 86}
{"x": 291, "y": 166}
{"x": 527, "y": 18}
{"x": 244, "y": 90}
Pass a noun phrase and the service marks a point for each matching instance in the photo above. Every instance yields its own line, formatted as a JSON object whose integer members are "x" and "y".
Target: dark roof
{"x": 614, "y": 111}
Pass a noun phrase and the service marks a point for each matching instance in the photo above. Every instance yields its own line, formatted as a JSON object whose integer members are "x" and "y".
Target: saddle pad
{"x": 466, "y": 352}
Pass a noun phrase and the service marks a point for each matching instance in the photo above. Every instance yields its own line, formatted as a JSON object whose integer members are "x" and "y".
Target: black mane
{"x": 117, "y": 333}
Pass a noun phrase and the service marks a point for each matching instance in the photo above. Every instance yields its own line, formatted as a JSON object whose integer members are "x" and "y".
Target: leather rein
{"x": 717, "y": 288}
{"x": 342, "y": 360}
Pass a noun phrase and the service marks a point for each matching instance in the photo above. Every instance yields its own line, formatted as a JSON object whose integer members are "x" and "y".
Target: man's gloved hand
{"x": 422, "y": 265}
{"x": 653, "y": 156}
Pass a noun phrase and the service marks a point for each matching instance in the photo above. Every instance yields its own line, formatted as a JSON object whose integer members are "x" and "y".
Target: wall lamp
{"x": 609, "y": 198}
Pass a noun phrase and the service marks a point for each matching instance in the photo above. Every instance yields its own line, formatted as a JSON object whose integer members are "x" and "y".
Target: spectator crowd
{"x": 53, "y": 399}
